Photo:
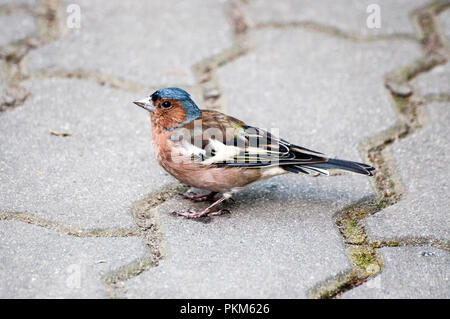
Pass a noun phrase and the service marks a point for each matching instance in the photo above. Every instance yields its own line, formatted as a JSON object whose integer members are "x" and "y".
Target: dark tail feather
{"x": 355, "y": 167}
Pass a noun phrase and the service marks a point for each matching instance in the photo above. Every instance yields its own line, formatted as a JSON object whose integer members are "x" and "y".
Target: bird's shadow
{"x": 277, "y": 192}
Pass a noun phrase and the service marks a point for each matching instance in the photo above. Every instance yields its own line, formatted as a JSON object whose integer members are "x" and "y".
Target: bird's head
{"x": 170, "y": 108}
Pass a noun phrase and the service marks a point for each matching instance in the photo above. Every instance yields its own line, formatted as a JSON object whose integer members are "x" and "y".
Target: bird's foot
{"x": 199, "y": 198}
{"x": 193, "y": 214}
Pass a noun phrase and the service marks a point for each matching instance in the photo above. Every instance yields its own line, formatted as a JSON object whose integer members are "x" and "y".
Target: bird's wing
{"x": 224, "y": 141}
{"x": 262, "y": 149}
{"x": 219, "y": 140}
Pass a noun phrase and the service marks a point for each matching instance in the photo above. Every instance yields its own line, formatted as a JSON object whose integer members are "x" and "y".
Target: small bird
{"x": 219, "y": 153}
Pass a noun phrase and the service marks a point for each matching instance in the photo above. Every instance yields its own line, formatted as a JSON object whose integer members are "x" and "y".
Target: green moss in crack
{"x": 352, "y": 231}
{"x": 365, "y": 259}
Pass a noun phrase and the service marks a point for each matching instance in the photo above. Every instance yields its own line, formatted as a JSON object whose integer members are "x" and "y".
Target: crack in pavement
{"x": 66, "y": 229}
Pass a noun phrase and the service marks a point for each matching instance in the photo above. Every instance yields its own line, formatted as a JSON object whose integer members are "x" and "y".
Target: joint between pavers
{"x": 434, "y": 45}
{"x": 439, "y": 243}
{"x": 94, "y": 76}
{"x": 48, "y": 15}
{"x": 146, "y": 218}
{"x": 67, "y": 229}
{"x": 389, "y": 190}
{"x": 148, "y": 228}
{"x": 334, "y": 31}
{"x": 8, "y": 9}
{"x": 436, "y": 97}
{"x": 411, "y": 117}
{"x": 205, "y": 70}
{"x": 366, "y": 263}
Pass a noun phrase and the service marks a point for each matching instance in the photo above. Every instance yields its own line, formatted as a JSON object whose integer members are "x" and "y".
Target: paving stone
{"x": 38, "y": 263}
{"x": 435, "y": 81}
{"x": 422, "y": 162}
{"x": 409, "y": 272}
{"x": 347, "y": 15}
{"x": 279, "y": 241}
{"x": 17, "y": 26}
{"x": 89, "y": 179}
{"x": 155, "y": 43}
{"x": 326, "y": 94}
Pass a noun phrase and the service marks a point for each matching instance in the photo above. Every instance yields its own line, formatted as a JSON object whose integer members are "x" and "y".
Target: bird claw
{"x": 220, "y": 212}
{"x": 193, "y": 214}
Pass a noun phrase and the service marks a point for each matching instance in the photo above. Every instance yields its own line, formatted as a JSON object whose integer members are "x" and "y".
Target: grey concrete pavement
{"x": 435, "y": 82}
{"x": 348, "y": 15}
{"x": 20, "y": 26}
{"x": 89, "y": 179}
{"x": 76, "y": 157}
{"x": 40, "y": 263}
{"x": 158, "y": 46}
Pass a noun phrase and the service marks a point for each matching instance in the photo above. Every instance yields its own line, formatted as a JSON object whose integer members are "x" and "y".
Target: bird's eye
{"x": 166, "y": 104}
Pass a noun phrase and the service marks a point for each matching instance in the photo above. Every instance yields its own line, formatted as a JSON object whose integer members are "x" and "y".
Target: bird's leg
{"x": 205, "y": 212}
{"x": 200, "y": 198}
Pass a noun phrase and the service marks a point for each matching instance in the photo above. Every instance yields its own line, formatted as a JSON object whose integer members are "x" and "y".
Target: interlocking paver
{"x": 18, "y": 26}
{"x": 409, "y": 272}
{"x": 89, "y": 179}
{"x": 158, "y": 46}
{"x": 39, "y": 263}
{"x": 422, "y": 162}
{"x": 347, "y": 15}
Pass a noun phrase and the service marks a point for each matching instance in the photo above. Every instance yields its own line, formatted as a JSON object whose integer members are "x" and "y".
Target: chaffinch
{"x": 219, "y": 153}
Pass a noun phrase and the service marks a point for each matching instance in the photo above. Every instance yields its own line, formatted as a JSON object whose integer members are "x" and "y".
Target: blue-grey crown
{"x": 171, "y": 93}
